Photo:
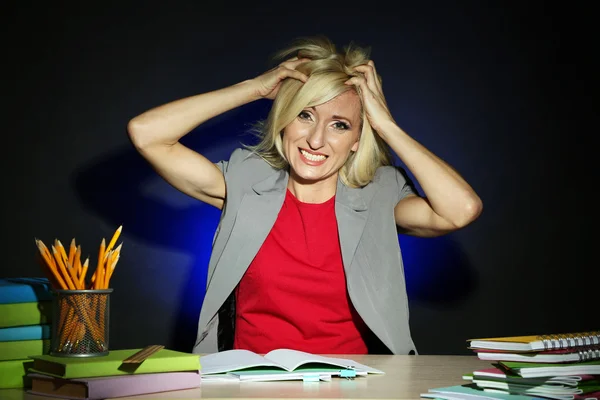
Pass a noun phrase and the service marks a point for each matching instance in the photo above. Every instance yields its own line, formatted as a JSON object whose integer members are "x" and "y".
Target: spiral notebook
{"x": 587, "y": 353}
{"x": 536, "y": 343}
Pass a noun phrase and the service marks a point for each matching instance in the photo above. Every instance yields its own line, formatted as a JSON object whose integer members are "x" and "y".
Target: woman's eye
{"x": 304, "y": 115}
{"x": 341, "y": 125}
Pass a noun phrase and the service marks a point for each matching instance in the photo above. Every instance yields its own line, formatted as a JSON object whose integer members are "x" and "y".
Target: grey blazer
{"x": 368, "y": 238}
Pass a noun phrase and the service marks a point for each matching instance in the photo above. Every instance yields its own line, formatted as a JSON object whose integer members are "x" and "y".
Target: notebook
{"x": 13, "y": 373}
{"x": 554, "y": 392}
{"x": 550, "y": 356}
{"x": 545, "y": 394}
{"x": 277, "y": 365}
{"x": 536, "y": 370}
{"x": 468, "y": 392}
{"x": 113, "y": 386}
{"x": 164, "y": 360}
{"x": 24, "y": 290}
{"x": 22, "y": 314}
{"x": 496, "y": 374}
{"x": 22, "y": 349}
{"x": 538, "y": 342}
{"x": 29, "y": 332}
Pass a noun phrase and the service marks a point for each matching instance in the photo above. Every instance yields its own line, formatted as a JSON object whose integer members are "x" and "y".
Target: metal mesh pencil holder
{"x": 80, "y": 323}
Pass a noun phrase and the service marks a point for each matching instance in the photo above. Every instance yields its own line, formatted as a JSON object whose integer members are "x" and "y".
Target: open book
{"x": 280, "y": 364}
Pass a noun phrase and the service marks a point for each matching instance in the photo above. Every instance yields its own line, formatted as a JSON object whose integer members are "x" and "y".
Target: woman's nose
{"x": 316, "y": 138}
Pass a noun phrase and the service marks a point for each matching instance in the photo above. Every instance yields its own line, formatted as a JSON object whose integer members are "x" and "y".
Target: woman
{"x": 306, "y": 254}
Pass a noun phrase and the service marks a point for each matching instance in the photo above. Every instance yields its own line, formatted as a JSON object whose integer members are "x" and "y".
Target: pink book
{"x": 587, "y": 396}
{"x": 112, "y": 386}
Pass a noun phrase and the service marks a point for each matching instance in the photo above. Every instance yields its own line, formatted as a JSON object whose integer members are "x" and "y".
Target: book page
{"x": 278, "y": 375}
{"x": 292, "y": 359}
{"x": 232, "y": 360}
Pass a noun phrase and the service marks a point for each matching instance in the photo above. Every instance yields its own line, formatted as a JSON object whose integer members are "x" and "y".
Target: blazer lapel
{"x": 255, "y": 217}
{"x": 257, "y": 214}
{"x": 351, "y": 213}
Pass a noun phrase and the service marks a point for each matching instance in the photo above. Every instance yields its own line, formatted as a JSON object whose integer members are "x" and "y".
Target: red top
{"x": 294, "y": 294}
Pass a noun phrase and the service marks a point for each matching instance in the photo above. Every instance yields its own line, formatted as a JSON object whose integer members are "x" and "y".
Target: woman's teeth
{"x": 312, "y": 157}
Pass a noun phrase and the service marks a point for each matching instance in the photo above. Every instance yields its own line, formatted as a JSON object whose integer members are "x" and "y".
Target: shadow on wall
{"x": 437, "y": 270}
{"x": 115, "y": 188}
{"x": 122, "y": 188}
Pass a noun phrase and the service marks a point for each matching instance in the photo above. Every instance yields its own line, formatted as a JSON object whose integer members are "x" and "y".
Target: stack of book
{"x": 113, "y": 375}
{"x": 25, "y": 326}
{"x": 556, "y": 366}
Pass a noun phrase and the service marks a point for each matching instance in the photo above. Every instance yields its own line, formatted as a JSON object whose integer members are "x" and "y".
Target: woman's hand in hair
{"x": 371, "y": 93}
{"x": 267, "y": 84}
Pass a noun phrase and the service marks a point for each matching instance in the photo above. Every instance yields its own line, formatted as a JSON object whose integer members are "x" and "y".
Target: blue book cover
{"x": 24, "y": 290}
{"x": 30, "y": 332}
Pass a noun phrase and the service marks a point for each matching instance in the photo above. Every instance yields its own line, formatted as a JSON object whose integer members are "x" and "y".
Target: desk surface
{"x": 406, "y": 377}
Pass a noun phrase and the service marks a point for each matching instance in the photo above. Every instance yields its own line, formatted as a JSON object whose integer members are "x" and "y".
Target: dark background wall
{"x": 499, "y": 91}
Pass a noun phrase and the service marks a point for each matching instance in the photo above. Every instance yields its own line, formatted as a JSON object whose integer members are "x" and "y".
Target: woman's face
{"x": 318, "y": 142}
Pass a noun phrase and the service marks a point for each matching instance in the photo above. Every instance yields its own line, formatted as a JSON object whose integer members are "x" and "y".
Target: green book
{"x": 536, "y": 370}
{"x": 13, "y": 374}
{"x": 164, "y": 360}
{"x": 21, "y": 314}
{"x": 22, "y": 349}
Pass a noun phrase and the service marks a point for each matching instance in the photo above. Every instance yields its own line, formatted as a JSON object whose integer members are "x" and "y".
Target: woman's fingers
{"x": 368, "y": 71}
{"x": 293, "y": 62}
{"x": 361, "y": 82}
{"x": 376, "y": 77}
{"x": 287, "y": 69}
{"x": 285, "y": 72}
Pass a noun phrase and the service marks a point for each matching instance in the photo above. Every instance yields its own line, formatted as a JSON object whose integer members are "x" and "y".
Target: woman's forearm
{"x": 166, "y": 124}
{"x": 450, "y": 196}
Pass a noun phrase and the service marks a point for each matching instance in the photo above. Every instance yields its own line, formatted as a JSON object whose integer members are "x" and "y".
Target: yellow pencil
{"x": 72, "y": 251}
{"x": 50, "y": 265}
{"x": 61, "y": 249}
{"x": 73, "y": 275}
{"x": 62, "y": 268}
{"x": 116, "y": 253}
{"x": 83, "y": 273}
{"x": 100, "y": 265}
{"x": 112, "y": 268}
{"x": 113, "y": 241}
{"x": 77, "y": 261}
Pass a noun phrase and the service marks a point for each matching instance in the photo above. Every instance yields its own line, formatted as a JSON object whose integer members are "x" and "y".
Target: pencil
{"x": 72, "y": 251}
{"x": 113, "y": 240}
{"x": 73, "y": 276}
{"x": 62, "y": 268}
{"x": 49, "y": 262}
{"x": 116, "y": 254}
{"x": 77, "y": 261}
{"x": 61, "y": 249}
{"x": 83, "y": 273}
{"x": 100, "y": 265}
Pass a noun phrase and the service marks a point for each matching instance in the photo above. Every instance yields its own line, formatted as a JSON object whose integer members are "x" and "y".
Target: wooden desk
{"x": 406, "y": 377}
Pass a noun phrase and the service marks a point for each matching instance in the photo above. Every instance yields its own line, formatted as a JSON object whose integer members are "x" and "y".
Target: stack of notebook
{"x": 25, "y": 326}
{"x": 111, "y": 376}
{"x": 557, "y": 366}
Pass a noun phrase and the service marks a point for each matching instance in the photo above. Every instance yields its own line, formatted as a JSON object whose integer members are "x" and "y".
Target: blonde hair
{"x": 327, "y": 71}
